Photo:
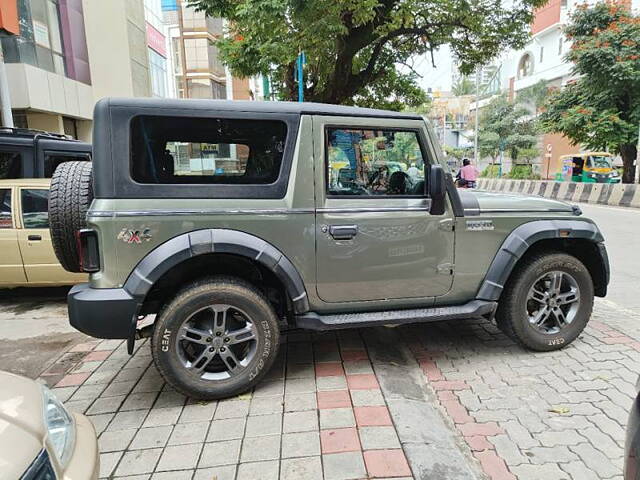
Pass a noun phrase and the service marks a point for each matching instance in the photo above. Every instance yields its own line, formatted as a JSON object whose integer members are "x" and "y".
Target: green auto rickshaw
{"x": 589, "y": 167}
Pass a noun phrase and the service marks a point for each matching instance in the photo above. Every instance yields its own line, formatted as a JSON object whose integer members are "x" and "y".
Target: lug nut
{"x": 209, "y": 339}
{"x": 222, "y": 349}
{"x": 227, "y": 339}
{"x": 218, "y": 334}
{"x": 211, "y": 349}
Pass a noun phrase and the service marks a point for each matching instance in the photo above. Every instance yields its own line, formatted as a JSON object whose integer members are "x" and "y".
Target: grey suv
{"x": 230, "y": 221}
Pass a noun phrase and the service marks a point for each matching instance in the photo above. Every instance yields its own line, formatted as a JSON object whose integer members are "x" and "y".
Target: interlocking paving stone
{"x": 520, "y": 418}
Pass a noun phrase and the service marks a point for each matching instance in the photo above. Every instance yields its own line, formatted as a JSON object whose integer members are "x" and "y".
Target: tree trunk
{"x": 628, "y": 153}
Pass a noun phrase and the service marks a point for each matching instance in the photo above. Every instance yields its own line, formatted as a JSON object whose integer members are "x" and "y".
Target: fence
{"x": 618, "y": 194}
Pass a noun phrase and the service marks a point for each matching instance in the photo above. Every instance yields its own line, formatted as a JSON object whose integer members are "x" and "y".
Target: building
{"x": 195, "y": 70}
{"x": 157, "y": 48}
{"x": 542, "y": 59}
{"x": 48, "y": 72}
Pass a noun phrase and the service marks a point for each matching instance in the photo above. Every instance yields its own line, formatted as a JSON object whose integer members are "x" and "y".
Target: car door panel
{"x": 372, "y": 248}
{"x": 40, "y": 261}
{"x": 11, "y": 267}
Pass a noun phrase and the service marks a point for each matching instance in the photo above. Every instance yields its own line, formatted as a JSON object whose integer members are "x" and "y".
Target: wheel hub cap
{"x": 552, "y": 302}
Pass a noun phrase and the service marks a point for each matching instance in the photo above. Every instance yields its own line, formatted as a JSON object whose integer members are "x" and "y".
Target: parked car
{"x": 632, "y": 441}
{"x": 27, "y": 256}
{"x": 39, "y": 438}
{"x": 26, "y": 153}
{"x": 221, "y": 219}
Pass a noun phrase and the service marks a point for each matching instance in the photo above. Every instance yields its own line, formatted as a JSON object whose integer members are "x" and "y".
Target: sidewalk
{"x": 454, "y": 400}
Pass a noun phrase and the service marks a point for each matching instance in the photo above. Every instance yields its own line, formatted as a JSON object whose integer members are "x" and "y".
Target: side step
{"x": 472, "y": 309}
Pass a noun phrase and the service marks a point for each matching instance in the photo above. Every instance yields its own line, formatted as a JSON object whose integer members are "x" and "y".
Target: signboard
{"x": 9, "y": 24}
{"x": 156, "y": 41}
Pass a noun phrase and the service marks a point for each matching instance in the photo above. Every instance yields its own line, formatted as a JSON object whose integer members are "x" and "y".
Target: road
{"x": 621, "y": 229}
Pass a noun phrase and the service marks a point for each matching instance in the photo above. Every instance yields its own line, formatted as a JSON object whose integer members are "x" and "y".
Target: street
{"x": 446, "y": 400}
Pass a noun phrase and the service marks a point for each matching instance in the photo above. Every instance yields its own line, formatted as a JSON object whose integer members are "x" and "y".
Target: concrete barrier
{"x": 616, "y": 194}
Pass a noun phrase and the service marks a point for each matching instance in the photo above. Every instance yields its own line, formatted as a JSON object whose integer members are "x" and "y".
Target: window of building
{"x": 10, "y": 165}
{"x": 5, "y": 208}
{"x": 196, "y": 54}
{"x": 35, "y": 212}
{"x": 70, "y": 126}
{"x": 39, "y": 42}
{"x": 525, "y": 66}
{"x": 158, "y": 73}
{"x": 374, "y": 162}
{"x": 169, "y": 150}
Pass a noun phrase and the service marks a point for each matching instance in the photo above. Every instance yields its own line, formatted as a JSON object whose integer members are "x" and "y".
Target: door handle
{"x": 33, "y": 238}
{"x": 343, "y": 232}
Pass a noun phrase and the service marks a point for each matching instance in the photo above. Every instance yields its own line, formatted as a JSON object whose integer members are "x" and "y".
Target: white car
{"x": 39, "y": 438}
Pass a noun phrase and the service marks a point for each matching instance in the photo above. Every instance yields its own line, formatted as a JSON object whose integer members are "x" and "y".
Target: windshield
{"x": 599, "y": 162}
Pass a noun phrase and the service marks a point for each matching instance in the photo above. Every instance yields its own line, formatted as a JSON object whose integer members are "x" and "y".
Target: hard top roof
{"x": 301, "y": 108}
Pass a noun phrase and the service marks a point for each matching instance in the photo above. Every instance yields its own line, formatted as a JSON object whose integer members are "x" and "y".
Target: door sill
{"x": 337, "y": 321}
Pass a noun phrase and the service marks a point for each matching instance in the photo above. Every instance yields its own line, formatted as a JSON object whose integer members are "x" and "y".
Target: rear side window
{"x": 35, "y": 213}
{"x": 170, "y": 150}
{"x": 53, "y": 159}
{"x": 10, "y": 165}
{"x": 5, "y": 208}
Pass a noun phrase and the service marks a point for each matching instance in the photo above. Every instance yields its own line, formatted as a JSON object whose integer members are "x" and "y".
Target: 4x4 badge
{"x": 134, "y": 236}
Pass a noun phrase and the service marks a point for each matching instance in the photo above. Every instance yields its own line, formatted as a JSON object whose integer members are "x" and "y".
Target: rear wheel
{"x": 217, "y": 338}
{"x": 547, "y": 302}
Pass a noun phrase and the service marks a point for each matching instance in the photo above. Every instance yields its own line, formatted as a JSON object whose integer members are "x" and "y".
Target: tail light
{"x": 88, "y": 253}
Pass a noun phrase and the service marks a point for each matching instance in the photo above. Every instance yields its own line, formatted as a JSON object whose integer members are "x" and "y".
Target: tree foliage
{"x": 360, "y": 51}
{"x": 601, "y": 109}
{"x": 463, "y": 86}
{"x": 509, "y": 127}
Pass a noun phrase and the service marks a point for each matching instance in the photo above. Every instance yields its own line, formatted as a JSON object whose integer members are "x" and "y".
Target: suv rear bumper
{"x": 102, "y": 312}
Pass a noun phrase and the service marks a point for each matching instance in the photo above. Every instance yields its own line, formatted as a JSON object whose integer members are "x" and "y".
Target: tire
{"x": 177, "y": 358}
{"x": 70, "y": 196}
{"x": 516, "y": 308}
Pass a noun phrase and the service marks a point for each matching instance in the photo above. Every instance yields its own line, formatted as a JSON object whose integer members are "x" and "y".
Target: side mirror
{"x": 437, "y": 189}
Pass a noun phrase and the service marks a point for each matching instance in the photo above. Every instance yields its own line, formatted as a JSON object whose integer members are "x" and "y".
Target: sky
{"x": 438, "y": 78}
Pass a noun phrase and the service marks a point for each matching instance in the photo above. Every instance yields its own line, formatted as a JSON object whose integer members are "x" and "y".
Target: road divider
{"x": 617, "y": 194}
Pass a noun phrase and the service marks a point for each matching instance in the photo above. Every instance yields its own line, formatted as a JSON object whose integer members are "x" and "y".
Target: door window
{"x": 35, "y": 212}
{"x": 5, "y": 208}
{"x": 374, "y": 162}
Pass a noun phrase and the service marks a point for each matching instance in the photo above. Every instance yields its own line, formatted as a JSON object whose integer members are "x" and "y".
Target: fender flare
{"x": 523, "y": 237}
{"x": 178, "y": 249}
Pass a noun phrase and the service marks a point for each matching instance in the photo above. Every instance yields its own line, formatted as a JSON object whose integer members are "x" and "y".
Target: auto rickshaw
{"x": 589, "y": 167}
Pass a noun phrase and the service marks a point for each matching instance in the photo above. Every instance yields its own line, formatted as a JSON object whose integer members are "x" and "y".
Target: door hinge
{"x": 447, "y": 225}
{"x": 446, "y": 268}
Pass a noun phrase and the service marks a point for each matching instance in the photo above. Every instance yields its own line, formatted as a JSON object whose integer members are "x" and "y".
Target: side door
{"x": 375, "y": 237}
{"x": 11, "y": 269}
{"x": 34, "y": 238}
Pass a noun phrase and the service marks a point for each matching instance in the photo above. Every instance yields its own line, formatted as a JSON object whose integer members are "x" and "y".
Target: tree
{"x": 507, "y": 126}
{"x": 601, "y": 109}
{"x": 360, "y": 51}
{"x": 536, "y": 95}
{"x": 463, "y": 86}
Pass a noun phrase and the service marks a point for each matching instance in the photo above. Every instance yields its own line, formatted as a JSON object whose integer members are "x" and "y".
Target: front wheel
{"x": 217, "y": 338}
{"x": 547, "y": 302}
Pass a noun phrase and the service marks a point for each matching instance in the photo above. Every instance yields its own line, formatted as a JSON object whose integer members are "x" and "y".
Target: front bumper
{"x": 102, "y": 312}
{"x": 85, "y": 461}
{"x": 632, "y": 444}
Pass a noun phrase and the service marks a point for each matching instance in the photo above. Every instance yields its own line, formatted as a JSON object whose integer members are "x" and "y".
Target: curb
{"x": 614, "y": 194}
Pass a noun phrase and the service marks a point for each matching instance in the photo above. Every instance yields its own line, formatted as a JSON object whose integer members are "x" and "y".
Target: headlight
{"x": 61, "y": 431}
{"x": 614, "y": 173}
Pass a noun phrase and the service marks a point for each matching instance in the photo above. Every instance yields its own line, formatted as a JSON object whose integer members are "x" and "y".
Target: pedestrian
{"x": 468, "y": 174}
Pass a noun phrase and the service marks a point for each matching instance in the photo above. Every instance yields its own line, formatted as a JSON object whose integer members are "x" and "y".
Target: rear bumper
{"x": 102, "y": 312}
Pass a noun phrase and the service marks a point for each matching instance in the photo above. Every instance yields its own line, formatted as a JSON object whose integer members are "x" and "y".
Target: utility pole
{"x": 5, "y": 99}
{"x": 183, "y": 57}
{"x": 475, "y": 134}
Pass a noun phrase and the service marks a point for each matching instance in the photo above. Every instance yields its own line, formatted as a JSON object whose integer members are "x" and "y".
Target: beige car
{"x": 39, "y": 438}
{"x": 27, "y": 254}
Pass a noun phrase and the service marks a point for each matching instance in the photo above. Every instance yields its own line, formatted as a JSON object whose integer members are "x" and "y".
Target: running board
{"x": 473, "y": 309}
